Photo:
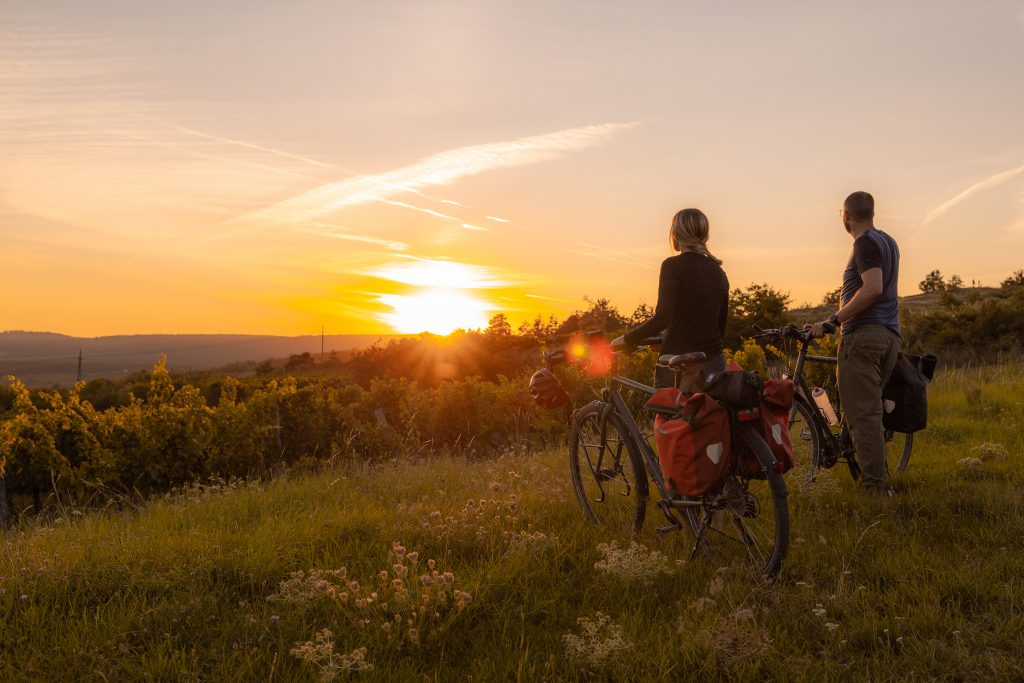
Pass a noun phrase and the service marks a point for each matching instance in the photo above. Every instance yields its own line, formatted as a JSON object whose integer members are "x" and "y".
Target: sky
{"x": 271, "y": 167}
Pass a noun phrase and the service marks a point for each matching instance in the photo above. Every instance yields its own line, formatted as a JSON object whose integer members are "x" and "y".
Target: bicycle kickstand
{"x": 674, "y": 523}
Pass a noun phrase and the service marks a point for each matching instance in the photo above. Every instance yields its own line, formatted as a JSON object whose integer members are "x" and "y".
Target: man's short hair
{"x": 861, "y": 206}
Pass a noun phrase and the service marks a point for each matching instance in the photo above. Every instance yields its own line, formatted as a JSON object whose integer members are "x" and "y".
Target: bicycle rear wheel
{"x": 897, "y": 448}
{"x": 748, "y": 520}
{"x": 607, "y": 472}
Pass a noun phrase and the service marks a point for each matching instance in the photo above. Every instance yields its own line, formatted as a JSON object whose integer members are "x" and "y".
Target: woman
{"x": 693, "y": 300}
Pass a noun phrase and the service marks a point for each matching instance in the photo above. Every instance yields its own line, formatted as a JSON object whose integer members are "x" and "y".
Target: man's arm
{"x": 865, "y": 296}
{"x": 858, "y": 303}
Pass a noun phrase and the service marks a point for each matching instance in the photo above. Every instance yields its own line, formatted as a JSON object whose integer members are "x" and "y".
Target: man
{"x": 870, "y": 341}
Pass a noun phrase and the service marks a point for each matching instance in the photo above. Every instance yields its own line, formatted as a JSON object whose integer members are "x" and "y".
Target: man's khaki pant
{"x": 867, "y": 356}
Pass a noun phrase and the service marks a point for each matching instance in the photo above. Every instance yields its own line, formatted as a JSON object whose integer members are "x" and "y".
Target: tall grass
{"x": 923, "y": 586}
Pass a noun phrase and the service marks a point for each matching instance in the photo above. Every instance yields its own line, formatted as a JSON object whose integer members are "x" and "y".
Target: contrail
{"x": 992, "y": 181}
{"x": 242, "y": 143}
{"x": 203, "y": 155}
{"x": 439, "y": 169}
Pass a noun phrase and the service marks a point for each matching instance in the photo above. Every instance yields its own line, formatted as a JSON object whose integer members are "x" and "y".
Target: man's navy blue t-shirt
{"x": 873, "y": 249}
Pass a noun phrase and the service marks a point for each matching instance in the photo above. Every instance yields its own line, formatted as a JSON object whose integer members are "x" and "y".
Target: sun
{"x": 436, "y": 310}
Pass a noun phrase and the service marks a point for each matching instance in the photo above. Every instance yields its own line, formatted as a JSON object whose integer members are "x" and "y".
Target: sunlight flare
{"x": 438, "y": 311}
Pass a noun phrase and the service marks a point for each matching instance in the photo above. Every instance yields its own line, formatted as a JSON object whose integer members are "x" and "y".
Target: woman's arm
{"x": 667, "y": 293}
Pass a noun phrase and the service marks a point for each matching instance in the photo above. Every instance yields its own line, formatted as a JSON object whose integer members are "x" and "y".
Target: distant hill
{"x": 915, "y": 303}
{"x": 46, "y": 358}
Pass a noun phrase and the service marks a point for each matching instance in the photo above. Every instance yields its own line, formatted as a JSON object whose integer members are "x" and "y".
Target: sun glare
{"x": 439, "y": 311}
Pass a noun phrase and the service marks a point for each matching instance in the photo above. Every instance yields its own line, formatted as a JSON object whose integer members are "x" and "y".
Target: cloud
{"x": 341, "y": 233}
{"x": 429, "y": 212}
{"x": 470, "y": 226}
{"x": 991, "y": 181}
{"x": 439, "y": 169}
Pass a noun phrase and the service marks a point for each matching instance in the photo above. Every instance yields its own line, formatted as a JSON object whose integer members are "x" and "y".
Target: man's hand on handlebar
{"x": 820, "y": 329}
{"x": 619, "y": 344}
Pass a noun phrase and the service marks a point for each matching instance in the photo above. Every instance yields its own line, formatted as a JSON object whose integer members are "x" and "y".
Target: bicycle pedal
{"x": 669, "y": 528}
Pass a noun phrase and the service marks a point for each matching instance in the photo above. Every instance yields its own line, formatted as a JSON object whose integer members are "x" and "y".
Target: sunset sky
{"x": 271, "y": 167}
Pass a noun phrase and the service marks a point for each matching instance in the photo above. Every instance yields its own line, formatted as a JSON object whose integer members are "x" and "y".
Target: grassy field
{"x": 202, "y": 585}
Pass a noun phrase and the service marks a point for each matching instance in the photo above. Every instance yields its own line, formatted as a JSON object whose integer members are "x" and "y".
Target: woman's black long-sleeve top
{"x": 693, "y": 303}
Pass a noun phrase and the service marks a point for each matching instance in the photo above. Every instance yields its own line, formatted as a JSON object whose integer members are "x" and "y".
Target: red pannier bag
{"x": 692, "y": 435}
{"x": 776, "y": 403}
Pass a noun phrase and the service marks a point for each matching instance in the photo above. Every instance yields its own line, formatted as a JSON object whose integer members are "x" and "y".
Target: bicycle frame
{"x": 821, "y": 424}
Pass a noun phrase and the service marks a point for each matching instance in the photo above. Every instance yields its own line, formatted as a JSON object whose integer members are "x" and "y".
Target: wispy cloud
{"x": 438, "y": 169}
{"x": 339, "y": 232}
{"x": 613, "y": 255}
{"x": 496, "y": 219}
{"x": 470, "y": 226}
{"x": 991, "y": 181}
{"x": 429, "y": 212}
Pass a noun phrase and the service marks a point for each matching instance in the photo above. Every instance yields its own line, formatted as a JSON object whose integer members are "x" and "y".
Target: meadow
{"x": 454, "y": 568}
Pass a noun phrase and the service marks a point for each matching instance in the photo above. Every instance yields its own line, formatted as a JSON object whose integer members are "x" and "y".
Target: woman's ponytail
{"x": 690, "y": 229}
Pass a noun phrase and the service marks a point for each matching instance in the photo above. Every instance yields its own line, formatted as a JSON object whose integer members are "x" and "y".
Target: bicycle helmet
{"x": 546, "y": 391}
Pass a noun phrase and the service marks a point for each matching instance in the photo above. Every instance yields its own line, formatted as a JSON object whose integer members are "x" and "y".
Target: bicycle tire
{"x": 903, "y": 447}
{"x": 766, "y": 543}
{"x": 805, "y": 435}
{"x": 607, "y": 471}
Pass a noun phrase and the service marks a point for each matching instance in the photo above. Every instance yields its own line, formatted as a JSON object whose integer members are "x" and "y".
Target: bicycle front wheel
{"x": 607, "y": 472}
{"x": 748, "y": 520}
{"x": 805, "y": 435}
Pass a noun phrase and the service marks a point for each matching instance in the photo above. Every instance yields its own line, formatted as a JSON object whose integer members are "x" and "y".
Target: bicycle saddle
{"x": 677, "y": 361}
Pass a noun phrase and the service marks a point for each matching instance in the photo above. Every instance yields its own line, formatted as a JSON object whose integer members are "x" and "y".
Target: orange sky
{"x": 373, "y": 168}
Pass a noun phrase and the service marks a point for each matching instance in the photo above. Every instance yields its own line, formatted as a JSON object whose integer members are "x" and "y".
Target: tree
{"x": 832, "y": 297}
{"x": 600, "y": 316}
{"x": 300, "y": 361}
{"x": 498, "y": 326}
{"x": 1015, "y": 280}
{"x": 932, "y": 282}
{"x": 955, "y": 282}
{"x": 641, "y": 314}
{"x": 759, "y": 305}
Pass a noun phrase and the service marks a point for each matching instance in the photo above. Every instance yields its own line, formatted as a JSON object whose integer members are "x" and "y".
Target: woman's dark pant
{"x": 692, "y": 379}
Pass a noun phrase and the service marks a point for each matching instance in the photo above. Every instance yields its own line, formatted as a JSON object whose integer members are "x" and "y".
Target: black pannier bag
{"x": 905, "y": 395}
{"x": 737, "y": 389}
{"x": 546, "y": 391}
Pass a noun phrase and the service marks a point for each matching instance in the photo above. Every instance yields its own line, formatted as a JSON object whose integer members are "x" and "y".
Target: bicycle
{"x": 611, "y": 459}
{"x": 817, "y": 443}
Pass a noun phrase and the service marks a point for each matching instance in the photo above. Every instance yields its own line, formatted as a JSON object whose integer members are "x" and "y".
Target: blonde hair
{"x": 690, "y": 229}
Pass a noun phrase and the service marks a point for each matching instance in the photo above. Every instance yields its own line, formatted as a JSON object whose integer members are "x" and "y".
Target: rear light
{"x": 748, "y": 415}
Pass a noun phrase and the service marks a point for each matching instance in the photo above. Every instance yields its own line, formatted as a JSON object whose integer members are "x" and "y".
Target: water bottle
{"x": 824, "y": 405}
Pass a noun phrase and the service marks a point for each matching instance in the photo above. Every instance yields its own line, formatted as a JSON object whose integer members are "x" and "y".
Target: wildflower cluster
{"x": 634, "y": 562}
{"x": 481, "y": 520}
{"x": 405, "y": 604}
{"x": 320, "y": 652}
{"x": 599, "y": 640}
{"x": 532, "y": 541}
{"x": 302, "y": 587}
{"x": 991, "y": 451}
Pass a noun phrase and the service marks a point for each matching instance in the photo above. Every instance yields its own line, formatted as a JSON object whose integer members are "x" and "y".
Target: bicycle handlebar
{"x": 791, "y": 332}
